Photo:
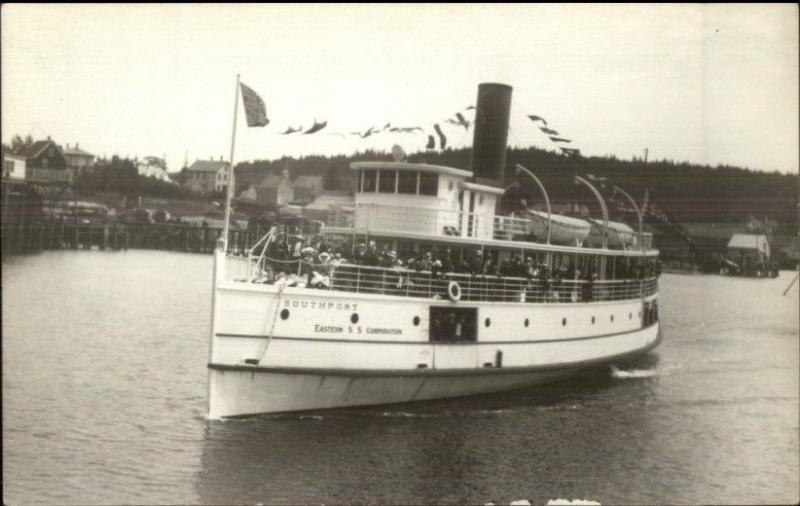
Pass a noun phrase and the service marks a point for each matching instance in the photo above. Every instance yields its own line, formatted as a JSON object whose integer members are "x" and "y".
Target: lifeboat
{"x": 619, "y": 234}
{"x": 564, "y": 230}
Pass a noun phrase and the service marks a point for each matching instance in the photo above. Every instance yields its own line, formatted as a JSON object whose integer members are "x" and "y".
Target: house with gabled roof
{"x": 206, "y": 175}
{"x": 45, "y": 161}
{"x": 79, "y": 161}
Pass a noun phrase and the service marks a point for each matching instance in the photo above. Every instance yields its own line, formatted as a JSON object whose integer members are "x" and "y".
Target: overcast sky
{"x": 702, "y": 83}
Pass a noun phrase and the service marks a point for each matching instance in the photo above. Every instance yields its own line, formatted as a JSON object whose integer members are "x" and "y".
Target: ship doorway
{"x": 453, "y": 324}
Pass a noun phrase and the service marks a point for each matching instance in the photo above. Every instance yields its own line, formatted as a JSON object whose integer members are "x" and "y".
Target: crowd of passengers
{"x": 318, "y": 260}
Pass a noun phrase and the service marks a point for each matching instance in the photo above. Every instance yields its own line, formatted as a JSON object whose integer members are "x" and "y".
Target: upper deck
{"x": 436, "y": 203}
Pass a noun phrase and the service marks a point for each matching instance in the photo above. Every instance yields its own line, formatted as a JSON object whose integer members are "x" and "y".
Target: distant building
{"x": 273, "y": 191}
{"x": 749, "y": 250}
{"x": 306, "y": 189}
{"x": 78, "y": 161}
{"x": 45, "y": 161}
{"x": 152, "y": 166}
{"x": 13, "y": 166}
{"x": 206, "y": 176}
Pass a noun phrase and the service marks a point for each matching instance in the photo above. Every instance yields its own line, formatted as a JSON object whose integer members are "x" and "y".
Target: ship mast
{"x": 229, "y": 188}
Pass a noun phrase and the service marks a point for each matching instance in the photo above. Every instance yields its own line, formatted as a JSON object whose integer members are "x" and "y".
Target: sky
{"x": 709, "y": 84}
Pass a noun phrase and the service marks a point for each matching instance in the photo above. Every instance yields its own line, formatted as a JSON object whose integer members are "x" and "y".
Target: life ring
{"x": 454, "y": 291}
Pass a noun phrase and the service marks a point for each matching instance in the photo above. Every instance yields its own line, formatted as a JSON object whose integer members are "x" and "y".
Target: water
{"x": 104, "y": 360}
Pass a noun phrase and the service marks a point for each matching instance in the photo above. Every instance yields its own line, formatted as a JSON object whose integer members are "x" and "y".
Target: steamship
{"x": 373, "y": 335}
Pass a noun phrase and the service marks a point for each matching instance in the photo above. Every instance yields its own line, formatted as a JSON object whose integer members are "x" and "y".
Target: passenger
{"x": 436, "y": 268}
{"x": 476, "y": 263}
{"x": 371, "y": 256}
{"x": 387, "y": 258}
{"x": 426, "y": 263}
{"x": 325, "y": 261}
{"x": 361, "y": 254}
{"x": 447, "y": 261}
{"x": 489, "y": 268}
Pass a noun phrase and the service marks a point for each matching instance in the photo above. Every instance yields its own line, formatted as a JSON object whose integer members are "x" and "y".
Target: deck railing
{"x": 425, "y": 284}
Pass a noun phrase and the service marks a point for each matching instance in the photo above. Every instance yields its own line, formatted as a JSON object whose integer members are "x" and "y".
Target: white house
{"x": 13, "y": 166}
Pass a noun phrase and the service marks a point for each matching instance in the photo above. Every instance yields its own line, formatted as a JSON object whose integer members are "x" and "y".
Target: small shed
{"x": 749, "y": 250}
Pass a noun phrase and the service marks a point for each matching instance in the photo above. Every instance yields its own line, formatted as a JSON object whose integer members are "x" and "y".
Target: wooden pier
{"x": 18, "y": 238}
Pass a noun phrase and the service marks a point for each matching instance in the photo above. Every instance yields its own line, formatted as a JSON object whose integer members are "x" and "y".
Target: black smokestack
{"x": 491, "y": 133}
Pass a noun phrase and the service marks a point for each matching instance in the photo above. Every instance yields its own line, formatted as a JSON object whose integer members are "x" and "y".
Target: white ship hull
{"x": 239, "y": 390}
{"x": 276, "y": 350}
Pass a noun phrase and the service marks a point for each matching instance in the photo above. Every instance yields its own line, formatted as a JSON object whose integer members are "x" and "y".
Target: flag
{"x": 254, "y": 108}
{"x": 316, "y": 128}
{"x": 442, "y": 138}
{"x": 291, "y": 130}
{"x": 431, "y": 143}
{"x": 533, "y": 117}
{"x": 548, "y": 131}
{"x": 559, "y": 139}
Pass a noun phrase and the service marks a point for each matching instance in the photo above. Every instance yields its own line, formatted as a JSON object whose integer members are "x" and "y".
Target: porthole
{"x": 416, "y": 321}
{"x": 284, "y": 314}
{"x": 354, "y": 318}
{"x": 630, "y": 316}
{"x": 527, "y": 322}
{"x": 592, "y": 320}
{"x": 563, "y": 321}
{"x": 612, "y": 318}
{"x": 488, "y": 322}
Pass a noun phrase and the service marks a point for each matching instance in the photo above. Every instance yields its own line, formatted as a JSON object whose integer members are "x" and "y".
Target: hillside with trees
{"x": 686, "y": 192}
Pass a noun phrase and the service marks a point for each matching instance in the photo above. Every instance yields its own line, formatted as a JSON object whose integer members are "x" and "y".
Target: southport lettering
{"x": 324, "y": 306}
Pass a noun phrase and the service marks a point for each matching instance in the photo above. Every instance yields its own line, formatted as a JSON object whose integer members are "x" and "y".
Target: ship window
{"x": 428, "y": 184}
{"x": 370, "y": 178}
{"x": 563, "y": 321}
{"x": 527, "y": 322}
{"x": 488, "y": 322}
{"x": 416, "y": 321}
{"x": 387, "y": 181}
{"x": 612, "y": 318}
{"x": 354, "y": 318}
{"x": 407, "y": 182}
{"x": 592, "y": 320}
{"x": 284, "y": 314}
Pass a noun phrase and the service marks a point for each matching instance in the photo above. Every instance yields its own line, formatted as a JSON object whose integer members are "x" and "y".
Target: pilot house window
{"x": 428, "y": 184}
{"x": 368, "y": 181}
{"x": 407, "y": 182}
{"x": 387, "y": 181}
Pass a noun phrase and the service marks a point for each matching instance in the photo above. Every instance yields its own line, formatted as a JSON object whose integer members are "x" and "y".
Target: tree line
{"x": 687, "y": 192}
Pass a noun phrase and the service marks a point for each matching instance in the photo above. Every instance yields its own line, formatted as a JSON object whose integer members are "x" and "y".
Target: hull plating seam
{"x": 387, "y": 341}
{"x": 433, "y": 372}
